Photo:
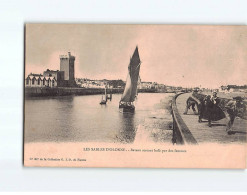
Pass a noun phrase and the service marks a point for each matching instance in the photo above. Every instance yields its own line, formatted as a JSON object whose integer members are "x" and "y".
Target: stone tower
{"x": 67, "y": 65}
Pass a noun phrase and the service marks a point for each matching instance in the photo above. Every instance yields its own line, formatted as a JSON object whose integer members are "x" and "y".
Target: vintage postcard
{"x": 135, "y": 96}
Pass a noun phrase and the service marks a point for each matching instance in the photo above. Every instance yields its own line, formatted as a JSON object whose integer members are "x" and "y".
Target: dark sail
{"x": 130, "y": 90}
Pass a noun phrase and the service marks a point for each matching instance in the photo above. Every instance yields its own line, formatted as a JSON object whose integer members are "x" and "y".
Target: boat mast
{"x": 105, "y": 94}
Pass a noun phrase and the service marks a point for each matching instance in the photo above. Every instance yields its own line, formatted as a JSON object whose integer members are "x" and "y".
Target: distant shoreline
{"x": 229, "y": 95}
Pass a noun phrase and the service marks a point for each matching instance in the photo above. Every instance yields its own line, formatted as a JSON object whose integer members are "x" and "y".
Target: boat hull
{"x": 129, "y": 109}
{"x": 102, "y": 102}
{"x": 121, "y": 106}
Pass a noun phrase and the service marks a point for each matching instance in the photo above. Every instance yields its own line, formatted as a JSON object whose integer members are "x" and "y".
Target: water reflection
{"x": 127, "y": 130}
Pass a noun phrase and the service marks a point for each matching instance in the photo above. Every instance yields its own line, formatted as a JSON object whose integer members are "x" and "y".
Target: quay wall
{"x": 181, "y": 133}
{"x": 62, "y": 91}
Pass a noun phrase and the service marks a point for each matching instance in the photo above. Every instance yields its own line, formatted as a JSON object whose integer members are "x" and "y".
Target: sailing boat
{"x": 103, "y": 101}
{"x": 130, "y": 90}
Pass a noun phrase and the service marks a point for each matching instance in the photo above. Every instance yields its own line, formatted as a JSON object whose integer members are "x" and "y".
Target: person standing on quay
{"x": 214, "y": 101}
{"x": 203, "y": 107}
{"x": 234, "y": 108}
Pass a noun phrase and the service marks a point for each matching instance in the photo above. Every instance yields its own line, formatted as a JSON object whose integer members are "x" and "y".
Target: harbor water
{"x": 83, "y": 119}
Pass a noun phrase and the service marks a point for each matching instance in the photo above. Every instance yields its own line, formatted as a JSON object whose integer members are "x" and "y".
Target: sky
{"x": 178, "y": 55}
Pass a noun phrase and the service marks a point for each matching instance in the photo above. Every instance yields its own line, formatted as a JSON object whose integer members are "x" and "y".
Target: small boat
{"x": 130, "y": 91}
{"x": 104, "y": 100}
{"x": 109, "y": 96}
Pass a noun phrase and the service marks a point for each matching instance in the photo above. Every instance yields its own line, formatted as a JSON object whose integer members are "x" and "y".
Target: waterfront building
{"x": 161, "y": 88}
{"x": 38, "y": 80}
{"x": 146, "y": 85}
{"x": 237, "y": 88}
{"x": 55, "y": 78}
{"x": 67, "y": 65}
{"x": 89, "y": 83}
{"x": 58, "y": 75}
{"x": 232, "y": 88}
{"x": 223, "y": 89}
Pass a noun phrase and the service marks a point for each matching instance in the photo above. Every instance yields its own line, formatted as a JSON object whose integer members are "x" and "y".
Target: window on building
{"x": 33, "y": 80}
{"x": 44, "y": 82}
{"x": 27, "y": 81}
{"x": 38, "y": 81}
{"x": 53, "y": 82}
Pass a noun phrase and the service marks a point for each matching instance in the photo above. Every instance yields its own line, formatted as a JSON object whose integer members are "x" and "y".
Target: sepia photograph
{"x": 131, "y": 95}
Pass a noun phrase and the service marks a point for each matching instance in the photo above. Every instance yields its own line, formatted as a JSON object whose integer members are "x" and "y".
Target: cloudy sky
{"x": 180, "y": 55}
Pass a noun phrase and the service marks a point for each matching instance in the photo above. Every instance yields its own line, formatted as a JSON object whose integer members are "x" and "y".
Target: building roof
{"x": 32, "y": 74}
{"x": 67, "y": 56}
{"x": 48, "y": 70}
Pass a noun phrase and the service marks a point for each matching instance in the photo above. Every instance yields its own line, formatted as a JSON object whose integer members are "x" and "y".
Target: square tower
{"x": 67, "y": 64}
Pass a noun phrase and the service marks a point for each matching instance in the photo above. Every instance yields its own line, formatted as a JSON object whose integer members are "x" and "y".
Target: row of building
{"x": 233, "y": 88}
{"x": 90, "y": 83}
{"x": 34, "y": 80}
{"x": 65, "y": 77}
